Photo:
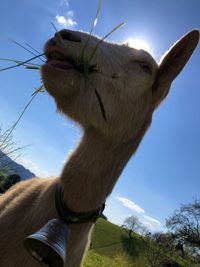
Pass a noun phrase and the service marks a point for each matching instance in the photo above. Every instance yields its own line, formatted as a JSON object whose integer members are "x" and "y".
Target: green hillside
{"x": 111, "y": 247}
{"x": 109, "y": 239}
{"x": 95, "y": 260}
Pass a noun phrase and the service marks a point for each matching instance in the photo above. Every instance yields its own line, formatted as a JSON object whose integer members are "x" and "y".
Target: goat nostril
{"x": 68, "y": 36}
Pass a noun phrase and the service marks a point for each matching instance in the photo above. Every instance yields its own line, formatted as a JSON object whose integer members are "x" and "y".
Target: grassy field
{"x": 111, "y": 247}
{"x": 95, "y": 260}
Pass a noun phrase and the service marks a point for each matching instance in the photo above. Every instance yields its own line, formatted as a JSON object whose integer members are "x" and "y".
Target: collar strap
{"x": 71, "y": 217}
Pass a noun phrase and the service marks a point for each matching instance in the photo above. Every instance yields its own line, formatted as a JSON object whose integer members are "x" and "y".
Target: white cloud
{"x": 151, "y": 223}
{"x": 152, "y": 220}
{"x": 29, "y": 164}
{"x": 66, "y": 18}
{"x": 66, "y": 22}
{"x": 148, "y": 225}
{"x": 130, "y": 204}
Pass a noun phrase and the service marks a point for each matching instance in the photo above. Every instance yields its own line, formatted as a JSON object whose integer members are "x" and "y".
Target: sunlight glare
{"x": 139, "y": 44}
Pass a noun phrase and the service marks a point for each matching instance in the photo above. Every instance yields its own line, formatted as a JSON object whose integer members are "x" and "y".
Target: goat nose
{"x": 53, "y": 41}
{"x": 68, "y": 36}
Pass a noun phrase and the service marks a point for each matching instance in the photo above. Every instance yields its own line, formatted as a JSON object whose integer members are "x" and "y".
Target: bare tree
{"x": 143, "y": 230}
{"x": 9, "y": 149}
{"x": 157, "y": 248}
{"x": 185, "y": 225}
{"x": 132, "y": 224}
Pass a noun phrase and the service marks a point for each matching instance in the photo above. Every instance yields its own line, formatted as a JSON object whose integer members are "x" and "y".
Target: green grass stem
{"x": 38, "y": 90}
{"x": 106, "y": 36}
{"x": 92, "y": 28}
{"x": 21, "y": 63}
{"x": 22, "y": 46}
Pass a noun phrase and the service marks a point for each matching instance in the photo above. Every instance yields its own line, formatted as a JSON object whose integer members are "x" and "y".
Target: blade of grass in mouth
{"x": 38, "y": 90}
{"x": 34, "y": 50}
{"x": 22, "y": 63}
{"x": 56, "y": 30}
{"x": 22, "y": 46}
{"x": 27, "y": 64}
{"x": 106, "y": 36}
{"x": 25, "y": 48}
{"x": 92, "y": 28}
{"x": 54, "y": 27}
{"x": 32, "y": 68}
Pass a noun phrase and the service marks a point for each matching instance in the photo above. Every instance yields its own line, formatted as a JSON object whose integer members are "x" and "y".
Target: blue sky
{"x": 165, "y": 170}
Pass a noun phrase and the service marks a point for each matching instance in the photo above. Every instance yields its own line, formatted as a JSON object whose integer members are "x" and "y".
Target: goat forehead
{"x": 121, "y": 55}
{"x": 125, "y": 52}
{"x": 137, "y": 54}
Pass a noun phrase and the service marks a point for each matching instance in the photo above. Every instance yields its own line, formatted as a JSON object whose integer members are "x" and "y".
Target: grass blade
{"x": 21, "y": 63}
{"x": 20, "y": 45}
{"x": 92, "y": 28}
{"x": 56, "y": 30}
{"x": 17, "y": 121}
{"x": 106, "y": 36}
{"x": 32, "y": 68}
{"x": 54, "y": 27}
{"x": 34, "y": 49}
{"x": 40, "y": 89}
{"x": 96, "y": 16}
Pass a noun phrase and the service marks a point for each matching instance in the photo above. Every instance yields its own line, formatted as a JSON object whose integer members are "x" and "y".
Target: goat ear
{"x": 172, "y": 64}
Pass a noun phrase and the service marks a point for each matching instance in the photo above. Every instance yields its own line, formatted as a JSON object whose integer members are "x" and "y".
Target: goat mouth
{"x": 58, "y": 60}
{"x": 59, "y": 64}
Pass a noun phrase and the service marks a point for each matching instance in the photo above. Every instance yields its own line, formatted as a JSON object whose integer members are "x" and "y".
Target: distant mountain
{"x": 14, "y": 167}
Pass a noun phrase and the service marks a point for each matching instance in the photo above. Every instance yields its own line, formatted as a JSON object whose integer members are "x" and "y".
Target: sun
{"x": 139, "y": 44}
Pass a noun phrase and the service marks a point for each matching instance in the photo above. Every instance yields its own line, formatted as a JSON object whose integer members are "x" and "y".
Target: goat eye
{"x": 146, "y": 67}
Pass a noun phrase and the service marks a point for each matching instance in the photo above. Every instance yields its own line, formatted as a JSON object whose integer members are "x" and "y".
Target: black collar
{"x": 71, "y": 217}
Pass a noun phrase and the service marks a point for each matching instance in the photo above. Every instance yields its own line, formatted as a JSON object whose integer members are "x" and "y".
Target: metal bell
{"x": 49, "y": 244}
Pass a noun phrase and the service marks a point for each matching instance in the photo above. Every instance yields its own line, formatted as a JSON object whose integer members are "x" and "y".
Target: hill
{"x": 15, "y": 167}
{"x": 109, "y": 239}
{"x": 111, "y": 247}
